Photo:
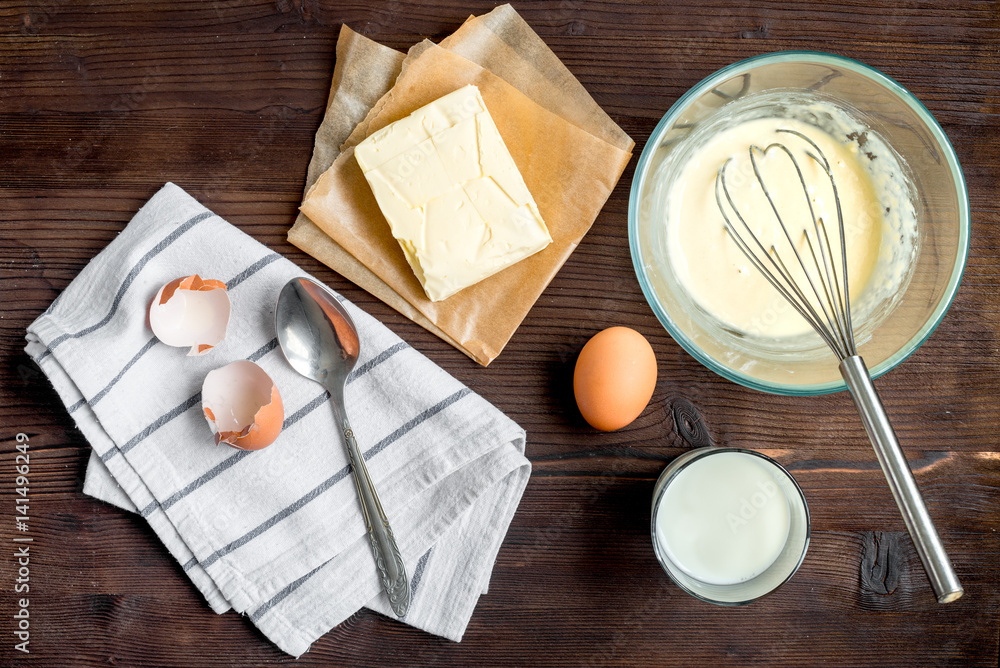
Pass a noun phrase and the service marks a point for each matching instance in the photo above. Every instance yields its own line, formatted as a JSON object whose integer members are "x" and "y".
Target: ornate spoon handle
{"x": 387, "y": 557}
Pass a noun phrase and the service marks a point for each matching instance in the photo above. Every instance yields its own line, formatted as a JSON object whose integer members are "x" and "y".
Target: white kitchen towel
{"x": 277, "y": 534}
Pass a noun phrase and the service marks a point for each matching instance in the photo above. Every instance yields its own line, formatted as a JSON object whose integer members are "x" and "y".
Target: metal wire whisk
{"x": 823, "y": 299}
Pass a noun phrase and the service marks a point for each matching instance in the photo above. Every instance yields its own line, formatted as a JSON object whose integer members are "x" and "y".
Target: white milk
{"x": 723, "y": 519}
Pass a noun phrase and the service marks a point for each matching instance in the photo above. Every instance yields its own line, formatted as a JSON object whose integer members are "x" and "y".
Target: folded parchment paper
{"x": 569, "y": 151}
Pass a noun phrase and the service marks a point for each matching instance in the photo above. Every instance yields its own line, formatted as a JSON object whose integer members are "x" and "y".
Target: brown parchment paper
{"x": 363, "y": 73}
{"x": 569, "y": 151}
{"x": 504, "y": 44}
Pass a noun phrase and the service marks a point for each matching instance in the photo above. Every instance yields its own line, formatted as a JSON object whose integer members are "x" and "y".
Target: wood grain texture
{"x": 102, "y": 101}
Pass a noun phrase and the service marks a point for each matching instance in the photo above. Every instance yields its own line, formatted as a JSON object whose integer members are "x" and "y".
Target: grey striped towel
{"x": 277, "y": 534}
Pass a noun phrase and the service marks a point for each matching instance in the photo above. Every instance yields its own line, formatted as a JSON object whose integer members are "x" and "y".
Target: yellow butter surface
{"x": 454, "y": 199}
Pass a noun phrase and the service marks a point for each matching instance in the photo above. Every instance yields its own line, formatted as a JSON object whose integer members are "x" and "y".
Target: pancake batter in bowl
{"x": 879, "y": 220}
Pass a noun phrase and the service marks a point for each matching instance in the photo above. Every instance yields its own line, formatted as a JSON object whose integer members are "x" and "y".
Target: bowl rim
{"x": 948, "y": 151}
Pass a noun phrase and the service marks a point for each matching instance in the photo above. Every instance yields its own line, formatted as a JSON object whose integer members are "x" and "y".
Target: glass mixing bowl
{"x": 939, "y": 198}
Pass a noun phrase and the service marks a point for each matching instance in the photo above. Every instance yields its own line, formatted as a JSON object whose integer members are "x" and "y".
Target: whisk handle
{"x": 904, "y": 487}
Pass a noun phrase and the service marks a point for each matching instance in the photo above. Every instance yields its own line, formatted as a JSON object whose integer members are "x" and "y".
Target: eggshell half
{"x": 614, "y": 378}
{"x": 189, "y": 311}
{"x": 242, "y": 406}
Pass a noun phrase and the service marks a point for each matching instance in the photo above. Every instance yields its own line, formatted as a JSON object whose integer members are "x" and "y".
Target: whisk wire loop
{"x": 843, "y": 298}
{"x": 777, "y": 275}
{"x": 829, "y": 313}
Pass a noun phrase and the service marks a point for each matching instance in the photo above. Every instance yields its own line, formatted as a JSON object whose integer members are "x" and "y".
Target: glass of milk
{"x": 729, "y": 525}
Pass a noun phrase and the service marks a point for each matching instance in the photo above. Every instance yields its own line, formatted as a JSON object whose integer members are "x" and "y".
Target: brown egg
{"x": 242, "y": 406}
{"x": 614, "y": 378}
{"x": 189, "y": 312}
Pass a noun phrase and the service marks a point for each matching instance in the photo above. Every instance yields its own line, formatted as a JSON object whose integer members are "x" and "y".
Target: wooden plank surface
{"x": 102, "y": 101}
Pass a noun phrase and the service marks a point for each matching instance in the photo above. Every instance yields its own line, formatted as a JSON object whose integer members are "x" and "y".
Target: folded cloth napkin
{"x": 277, "y": 534}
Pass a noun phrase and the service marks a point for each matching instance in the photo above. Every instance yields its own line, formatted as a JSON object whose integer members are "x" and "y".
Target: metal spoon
{"x": 321, "y": 342}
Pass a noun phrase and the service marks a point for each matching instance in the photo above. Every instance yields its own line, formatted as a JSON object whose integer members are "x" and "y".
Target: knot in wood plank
{"x": 762, "y": 31}
{"x": 885, "y": 583}
{"x": 689, "y": 424}
{"x": 879, "y": 571}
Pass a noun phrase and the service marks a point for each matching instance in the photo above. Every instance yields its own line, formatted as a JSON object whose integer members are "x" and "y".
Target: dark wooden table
{"x": 102, "y": 101}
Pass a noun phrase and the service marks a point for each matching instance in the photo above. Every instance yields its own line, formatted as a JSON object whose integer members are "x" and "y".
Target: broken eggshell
{"x": 242, "y": 406}
{"x": 189, "y": 311}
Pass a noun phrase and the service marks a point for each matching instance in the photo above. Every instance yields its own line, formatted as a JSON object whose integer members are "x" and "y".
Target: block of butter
{"x": 452, "y": 195}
